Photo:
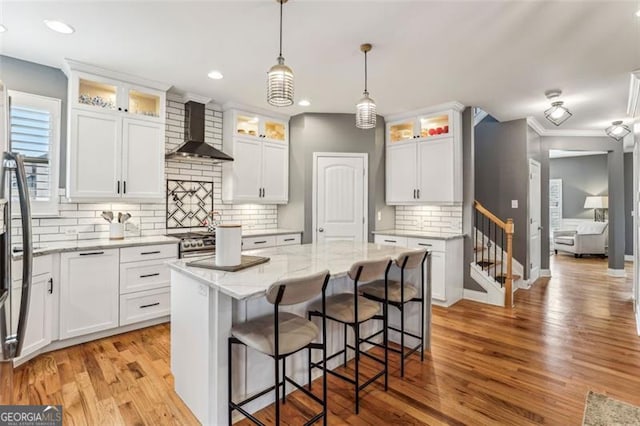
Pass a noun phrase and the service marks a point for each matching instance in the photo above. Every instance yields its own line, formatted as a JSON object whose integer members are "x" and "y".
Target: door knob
{"x": 320, "y": 229}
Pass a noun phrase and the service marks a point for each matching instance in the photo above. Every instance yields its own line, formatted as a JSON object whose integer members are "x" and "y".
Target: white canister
{"x": 228, "y": 245}
{"x": 116, "y": 231}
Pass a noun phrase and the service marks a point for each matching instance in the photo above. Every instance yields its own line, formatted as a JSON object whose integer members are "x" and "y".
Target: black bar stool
{"x": 280, "y": 335}
{"x": 398, "y": 295}
{"x": 351, "y": 309}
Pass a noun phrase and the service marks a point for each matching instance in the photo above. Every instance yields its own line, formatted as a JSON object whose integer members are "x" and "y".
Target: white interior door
{"x": 340, "y": 195}
{"x": 535, "y": 227}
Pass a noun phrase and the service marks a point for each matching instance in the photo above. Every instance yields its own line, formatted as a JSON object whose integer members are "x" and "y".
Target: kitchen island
{"x": 206, "y": 303}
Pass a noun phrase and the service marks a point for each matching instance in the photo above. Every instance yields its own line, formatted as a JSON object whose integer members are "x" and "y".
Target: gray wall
{"x": 315, "y": 132}
{"x": 628, "y": 203}
{"x": 41, "y": 80}
{"x": 536, "y": 152}
{"x": 501, "y": 175}
{"x": 581, "y": 177}
{"x": 615, "y": 172}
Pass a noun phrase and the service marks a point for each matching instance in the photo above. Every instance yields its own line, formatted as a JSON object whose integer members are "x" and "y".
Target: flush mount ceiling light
{"x": 638, "y": 13}
{"x": 617, "y": 130}
{"x": 59, "y": 26}
{"x": 3, "y": 29}
{"x": 558, "y": 113}
{"x": 304, "y": 102}
{"x": 215, "y": 75}
{"x": 366, "y": 108}
{"x": 280, "y": 77}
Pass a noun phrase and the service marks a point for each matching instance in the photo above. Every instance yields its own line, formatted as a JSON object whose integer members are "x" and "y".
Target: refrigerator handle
{"x": 15, "y": 345}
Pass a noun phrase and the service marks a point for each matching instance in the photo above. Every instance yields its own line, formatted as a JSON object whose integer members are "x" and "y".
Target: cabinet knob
{"x": 126, "y": 110}
{"x": 119, "y": 109}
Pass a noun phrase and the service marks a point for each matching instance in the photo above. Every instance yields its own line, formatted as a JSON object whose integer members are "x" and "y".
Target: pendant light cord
{"x": 365, "y": 71}
{"x": 280, "y": 28}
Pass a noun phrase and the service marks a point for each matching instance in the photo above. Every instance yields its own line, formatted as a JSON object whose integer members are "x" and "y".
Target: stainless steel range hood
{"x": 195, "y": 146}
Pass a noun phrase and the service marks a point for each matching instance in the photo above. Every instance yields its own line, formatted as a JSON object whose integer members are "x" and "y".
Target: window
{"x": 35, "y": 133}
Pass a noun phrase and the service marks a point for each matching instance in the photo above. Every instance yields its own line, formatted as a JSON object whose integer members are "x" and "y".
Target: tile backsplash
{"x": 445, "y": 219}
{"x": 78, "y": 221}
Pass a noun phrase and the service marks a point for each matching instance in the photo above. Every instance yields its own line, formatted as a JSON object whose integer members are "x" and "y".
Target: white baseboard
{"x": 618, "y": 273}
{"x": 638, "y": 322}
{"x": 545, "y": 273}
{"x": 475, "y": 295}
{"x": 628, "y": 258}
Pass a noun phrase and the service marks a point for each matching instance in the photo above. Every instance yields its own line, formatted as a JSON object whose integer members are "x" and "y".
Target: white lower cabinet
{"x": 253, "y": 243}
{"x": 144, "y": 305}
{"x": 446, "y": 264}
{"x": 39, "y": 330}
{"x": 145, "y": 282}
{"x": 89, "y": 293}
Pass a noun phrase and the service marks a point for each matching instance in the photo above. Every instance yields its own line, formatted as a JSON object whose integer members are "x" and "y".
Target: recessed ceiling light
{"x": 59, "y": 26}
{"x": 215, "y": 75}
{"x": 3, "y": 28}
{"x": 638, "y": 13}
{"x": 304, "y": 102}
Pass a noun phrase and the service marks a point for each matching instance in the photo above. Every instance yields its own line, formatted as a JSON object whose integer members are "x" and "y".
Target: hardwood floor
{"x": 531, "y": 365}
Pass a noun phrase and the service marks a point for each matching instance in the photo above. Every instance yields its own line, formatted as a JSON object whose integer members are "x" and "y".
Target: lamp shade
{"x": 596, "y": 202}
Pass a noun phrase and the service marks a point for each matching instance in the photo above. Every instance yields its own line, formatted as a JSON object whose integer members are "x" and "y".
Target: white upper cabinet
{"x": 142, "y": 159}
{"x": 94, "y": 154}
{"x": 424, "y": 157}
{"x": 116, "y": 136}
{"x": 259, "y": 145}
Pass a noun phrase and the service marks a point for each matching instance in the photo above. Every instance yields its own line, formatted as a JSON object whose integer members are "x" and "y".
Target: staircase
{"x": 493, "y": 263}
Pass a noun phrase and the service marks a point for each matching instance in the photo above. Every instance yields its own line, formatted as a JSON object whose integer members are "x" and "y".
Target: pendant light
{"x": 280, "y": 77}
{"x": 366, "y": 108}
{"x": 558, "y": 113}
{"x": 617, "y": 130}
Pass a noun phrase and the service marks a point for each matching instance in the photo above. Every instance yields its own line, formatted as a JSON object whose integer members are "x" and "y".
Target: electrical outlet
{"x": 379, "y": 215}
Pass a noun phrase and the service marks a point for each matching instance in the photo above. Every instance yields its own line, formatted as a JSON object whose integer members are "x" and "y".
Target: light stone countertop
{"x": 268, "y": 232}
{"x": 420, "y": 234}
{"x": 286, "y": 262}
{"x": 79, "y": 245}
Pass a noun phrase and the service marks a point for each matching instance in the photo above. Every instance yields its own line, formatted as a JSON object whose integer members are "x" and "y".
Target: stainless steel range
{"x": 194, "y": 244}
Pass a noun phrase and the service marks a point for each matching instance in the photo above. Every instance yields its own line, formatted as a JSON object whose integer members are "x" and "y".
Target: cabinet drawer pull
{"x": 92, "y": 253}
{"x": 150, "y": 275}
{"x": 150, "y": 305}
{"x": 425, "y": 244}
{"x": 390, "y": 241}
{"x": 289, "y": 239}
{"x": 144, "y": 253}
{"x": 259, "y": 242}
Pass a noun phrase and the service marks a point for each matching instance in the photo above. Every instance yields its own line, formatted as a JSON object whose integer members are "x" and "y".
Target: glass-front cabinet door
{"x": 274, "y": 130}
{"x": 401, "y": 131}
{"x": 247, "y": 125}
{"x": 97, "y": 94}
{"x": 434, "y": 125}
{"x": 143, "y": 103}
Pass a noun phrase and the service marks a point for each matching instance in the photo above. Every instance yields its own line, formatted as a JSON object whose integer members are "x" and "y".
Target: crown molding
{"x": 193, "y": 97}
{"x": 543, "y": 131}
{"x": 71, "y": 65}
{"x": 454, "y": 105}
{"x": 255, "y": 110}
{"x": 633, "y": 106}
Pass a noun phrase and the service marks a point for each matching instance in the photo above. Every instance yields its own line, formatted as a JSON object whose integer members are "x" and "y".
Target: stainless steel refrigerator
{"x": 14, "y": 300}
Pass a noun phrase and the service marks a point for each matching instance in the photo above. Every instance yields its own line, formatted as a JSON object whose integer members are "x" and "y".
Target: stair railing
{"x": 489, "y": 230}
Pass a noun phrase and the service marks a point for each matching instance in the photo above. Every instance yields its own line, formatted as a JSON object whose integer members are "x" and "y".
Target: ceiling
{"x": 499, "y": 55}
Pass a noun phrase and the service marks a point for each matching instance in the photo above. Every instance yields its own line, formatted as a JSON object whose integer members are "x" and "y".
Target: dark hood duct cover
{"x": 195, "y": 146}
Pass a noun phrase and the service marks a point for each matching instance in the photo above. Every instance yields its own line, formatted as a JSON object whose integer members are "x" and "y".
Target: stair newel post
{"x": 508, "y": 291}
